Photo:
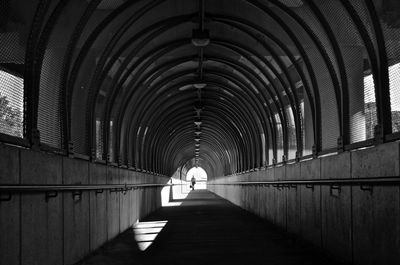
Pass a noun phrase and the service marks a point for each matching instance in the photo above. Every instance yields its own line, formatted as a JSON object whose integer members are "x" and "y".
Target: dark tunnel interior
{"x": 159, "y": 85}
{"x": 154, "y": 88}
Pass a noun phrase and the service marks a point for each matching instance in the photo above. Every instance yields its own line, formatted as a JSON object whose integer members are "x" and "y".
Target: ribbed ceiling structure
{"x": 228, "y": 85}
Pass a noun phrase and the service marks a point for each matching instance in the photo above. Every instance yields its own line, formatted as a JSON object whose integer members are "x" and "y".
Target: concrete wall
{"x": 357, "y": 226}
{"x": 64, "y": 229}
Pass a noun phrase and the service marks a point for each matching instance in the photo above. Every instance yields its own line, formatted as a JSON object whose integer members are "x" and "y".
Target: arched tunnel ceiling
{"x": 229, "y": 85}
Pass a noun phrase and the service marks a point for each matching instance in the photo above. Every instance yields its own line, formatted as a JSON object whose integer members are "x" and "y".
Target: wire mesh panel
{"x": 329, "y": 105}
{"x": 12, "y": 27}
{"x": 279, "y": 139}
{"x": 82, "y": 80}
{"x": 292, "y": 145}
{"x": 356, "y": 62}
{"x": 111, "y": 142}
{"x": 390, "y": 22}
{"x": 361, "y": 95}
{"x": 264, "y": 154}
{"x": 315, "y": 27}
{"x": 270, "y": 146}
{"x": 49, "y": 119}
{"x": 370, "y": 113}
{"x": 59, "y": 26}
{"x": 13, "y": 34}
{"x": 319, "y": 62}
{"x": 394, "y": 77}
{"x": 307, "y": 132}
{"x": 99, "y": 140}
{"x": 289, "y": 68}
{"x": 270, "y": 152}
{"x": 362, "y": 12}
{"x": 11, "y": 104}
{"x": 369, "y": 118}
{"x": 78, "y": 117}
{"x": 309, "y": 13}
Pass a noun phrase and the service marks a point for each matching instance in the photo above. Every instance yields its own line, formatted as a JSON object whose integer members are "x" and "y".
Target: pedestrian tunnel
{"x": 291, "y": 107}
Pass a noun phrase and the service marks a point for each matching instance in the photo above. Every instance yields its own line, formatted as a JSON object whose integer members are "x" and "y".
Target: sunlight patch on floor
{"x": 147, "y": 232}
{"x": 174, "y": 195}
{"x": 176, "y": 192}
{"x": 172, "y": 204}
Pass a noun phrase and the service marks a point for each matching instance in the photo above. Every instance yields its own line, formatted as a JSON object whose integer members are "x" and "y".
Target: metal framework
{"x": 277, "y": 81}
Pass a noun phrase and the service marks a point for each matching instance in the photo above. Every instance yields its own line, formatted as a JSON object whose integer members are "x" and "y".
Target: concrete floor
{"x": 205, "y": 229}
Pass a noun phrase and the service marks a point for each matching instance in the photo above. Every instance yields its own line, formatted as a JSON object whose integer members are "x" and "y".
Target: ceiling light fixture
{"x": 199, "y": 85}
{"x": 200, "y": 38}
{"x": 185, "y": 88}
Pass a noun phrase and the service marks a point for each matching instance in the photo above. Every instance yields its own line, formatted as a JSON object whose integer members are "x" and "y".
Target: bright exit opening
{"x": 200, "y": 175}
{"x": 181, "y": 191}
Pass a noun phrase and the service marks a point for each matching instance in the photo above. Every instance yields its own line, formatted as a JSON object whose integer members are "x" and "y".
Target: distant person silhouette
{"x": 193, "y": 181}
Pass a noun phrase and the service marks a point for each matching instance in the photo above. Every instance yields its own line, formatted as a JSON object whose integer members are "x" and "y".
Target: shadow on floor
{"x": 206, "y": 229}
{"x": 198, "y": 197}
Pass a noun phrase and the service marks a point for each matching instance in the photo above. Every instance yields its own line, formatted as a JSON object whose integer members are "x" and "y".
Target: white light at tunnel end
{"x": 198, "y": 172}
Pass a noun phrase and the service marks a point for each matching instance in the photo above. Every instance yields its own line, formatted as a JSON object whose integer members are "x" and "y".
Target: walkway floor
{"x": 205, "y": 229}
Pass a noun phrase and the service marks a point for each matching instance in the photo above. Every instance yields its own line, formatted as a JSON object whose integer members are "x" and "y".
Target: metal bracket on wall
{"x": 335, "y": 190}
{"x": 117, "y": 190}
{"x": 77, "y": 195}
{"x": 310, "y": 186}
{"x": 50, "y": 194}
{"x": 278, "y": 186}
{"x": 5, "y": 196}
{"x": 125, "y": 189}
{"x": 367, "y": 188}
